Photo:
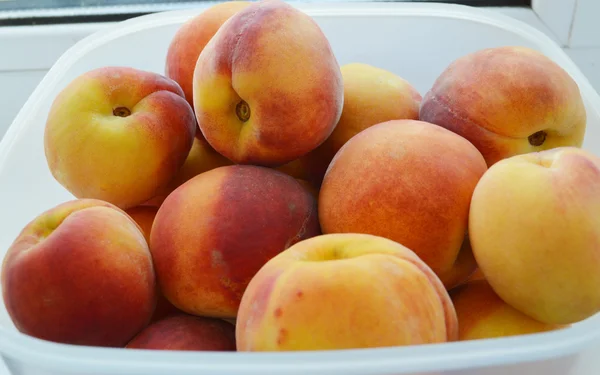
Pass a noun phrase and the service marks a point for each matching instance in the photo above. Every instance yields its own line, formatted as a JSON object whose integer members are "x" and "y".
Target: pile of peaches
{"x": 258, "y": 196}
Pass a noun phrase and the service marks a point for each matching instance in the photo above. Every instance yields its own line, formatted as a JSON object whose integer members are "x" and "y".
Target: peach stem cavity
{"x": 242, "y": 110}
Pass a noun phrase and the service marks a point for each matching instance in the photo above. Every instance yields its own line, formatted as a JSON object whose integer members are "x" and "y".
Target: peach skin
{"x": 118, "y": 134}
{"x": 214, "y": 232}
{"x": 406, "y": 180}
{"x": 164, "y": 308}
{"x": 477, "y": 275}
{"x": 257, "y": 100}
{"x": 482, "y": 314}
{"x": 201, "y": 158}
{"x": 541, "y": 252}
{"x": 507, "y": 101}
{"x": 144, "y": 217}
{"x": 344, "y": 291}
{"x": 463, "y": 269}
{"x": 310, "y": 188}
{"x": 80, "y": 273}
{"x": 191, "y": 38}
{"x": 186, "y": 332}
{"x": 305, "y": 168}
{"x": 371, "y": 95}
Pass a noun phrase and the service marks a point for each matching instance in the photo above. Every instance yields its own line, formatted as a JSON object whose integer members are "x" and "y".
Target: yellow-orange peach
{"x": 507, "y": 101}
{"x": 344, "y": 291}
{"x": 371, "y": 95}
{"x": 80, "y": 273}
{"x": 186, "y": 332}
{"x": 144, "y": 217}
{"x": 477, "y": 275}
{"x": 302, "y": 168}
{"x": 257, "y": 100}
{"x": 535, "y": 232}
{"x": 190, "y": 39}
{"x": 201, "y": 158}
{"x": 406, "y": 180}
{"x": 463, "y": 269}
{"x": 118, "y": 134}
{"x": 213, "y": 233}
{"x": 482, "y": 314}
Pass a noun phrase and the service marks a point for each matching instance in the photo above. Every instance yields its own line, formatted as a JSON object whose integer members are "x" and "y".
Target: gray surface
{"x": 45, "y": 4}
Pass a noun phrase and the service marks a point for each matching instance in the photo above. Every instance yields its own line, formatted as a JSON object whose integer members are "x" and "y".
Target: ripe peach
{"x": 201, "y": 158}
{"x": 482, "y": 314}
{"x": 164, "y": 307}
{"x": 371, "y": 95}
{"x": 118, "y": 134}
{"x": 477, "y": 275}
{"x": 213, "y": 233}
{"x": 303, "y": 168}
{"x": 310, "y": 188}
{"x": 186, "y": 332}
{"x": 463, "y": 269}
{"x": 191, "y": 38}
{"x": 507, "y": 101}
{"x": 80, "y": 273}
{"x": 256, "y": 98}
{"x": 144, "y": 217}
{"x": 344, "y": 291}
{"x": 406, "y": 180}
{"x": 535, "y": 231}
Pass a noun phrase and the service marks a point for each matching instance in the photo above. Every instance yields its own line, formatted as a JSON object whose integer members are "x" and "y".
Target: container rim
{"x": 397, "y": 360}
{"x": 374, "y": 361}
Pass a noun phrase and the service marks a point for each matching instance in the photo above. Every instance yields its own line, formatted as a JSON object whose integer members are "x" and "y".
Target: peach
{"x": 164, "y": 308}
{"x": 257, "y": 100}
{"x": 200, "y": 159}
{"x": 309, "y": 187}
{"x": 371, "y": 95}
{"x": 80, "y": 273}
{"x": 406, "y": 180}
{"x": 507, "y": 101}
{"x": 463, "y": 269}
{"x": 144, "y": 217}
{"x": 118, "y": 134}
{"x": 230, "y": 320}
{"x": 477, "y": 275}
{"x": 214, "y": 232}
{"x": 344, "y": 291}
{"x": 482, "y": 314}
{"x": 535, "y": 232}
{"x": 186, "y": 332}
{"x": 304, "y": 168}
{"x": 191, "y": 38}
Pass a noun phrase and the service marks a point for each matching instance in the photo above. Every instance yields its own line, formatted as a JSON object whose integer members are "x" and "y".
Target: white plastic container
{"x": 416, "y": 41}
